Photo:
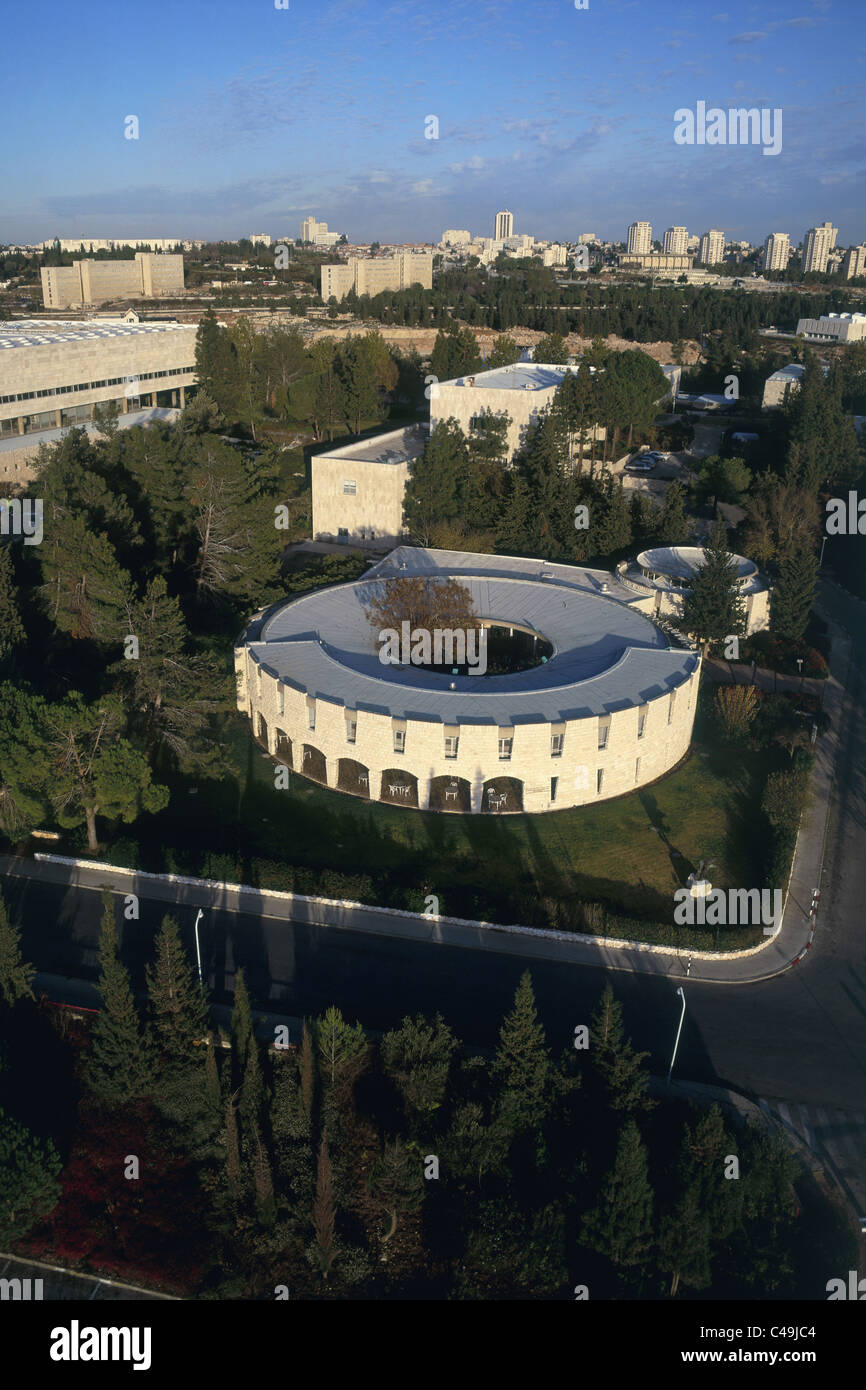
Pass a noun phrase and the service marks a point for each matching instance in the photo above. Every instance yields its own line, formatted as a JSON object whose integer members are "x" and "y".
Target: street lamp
{"x": 821, "y": 559}
{"x": 800, "y": 669}
{"x": 198, "y": 950}
{"x": 681, "y": 993}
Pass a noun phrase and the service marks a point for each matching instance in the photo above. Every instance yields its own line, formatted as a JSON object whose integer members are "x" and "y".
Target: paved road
{"x": 800, "y": 1036}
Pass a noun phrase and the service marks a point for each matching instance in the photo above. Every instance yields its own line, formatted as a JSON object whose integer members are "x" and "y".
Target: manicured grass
{"x": 628, "y": 855}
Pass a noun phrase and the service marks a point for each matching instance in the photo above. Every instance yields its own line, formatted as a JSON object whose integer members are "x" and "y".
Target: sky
{"x": 252, "y": 117}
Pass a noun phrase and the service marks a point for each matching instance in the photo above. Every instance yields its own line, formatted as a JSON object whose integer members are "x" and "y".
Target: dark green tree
{"x": 16, "y": 976}
{"x": 620, "y": 1070}
{"x": 119, "y": 1066}
{"x": 418, "y": 1057}
{"x": 11, "y": 626}
{"x": 713, "y": 608}
{"x": 684, "y": 1244}
{"x": 29, "y": 1180}
{"x": 793, "y": 595}
{"x": 177, "y": 1006}
{"x": 619, "y": 1226}
{"x": 522, "y": 1065}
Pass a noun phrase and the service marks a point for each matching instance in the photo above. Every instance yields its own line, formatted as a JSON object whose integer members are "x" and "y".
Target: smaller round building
{"x": 665, "y": 573}
{"x": 607, "y": 706}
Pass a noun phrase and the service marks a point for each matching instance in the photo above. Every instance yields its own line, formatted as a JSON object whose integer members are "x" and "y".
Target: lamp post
{"x": 800, "y": 669}
{"x": 681, "y": 993}
{"x": 821, "y": 559}
{"x": 198, "y": 950}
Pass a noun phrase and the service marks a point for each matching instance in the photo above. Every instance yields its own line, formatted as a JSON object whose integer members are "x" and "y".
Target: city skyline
{"x": 575, "y": 130}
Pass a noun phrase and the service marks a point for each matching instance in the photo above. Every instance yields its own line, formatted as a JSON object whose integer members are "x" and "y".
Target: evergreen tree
{"x": 235, "y": 541}
{"x": 551, "y": 349}
{"x": 29, "y": 1180}
{"x": 522, "y": 1066}
{"x": 713, "y": 608}
{"x": 433, "y": 487}
{"x": 25, "y": 763}
{"x": 216, "y": 364}
{"x": 16, "y": 976}
{"x": 503, "y": 353}
{"x": 674, "y": 526}
{"x": 793, "y": 595}
{"x": 341, "y": 1049}
{"x": 702, "y": 1168}
{"x": 307, "y": 1072}
{"x": 684, "y": 1244}
{"x": 178, "y": 1008}
{"x": 85, "y": 591}
{"x": 620, "y": 1224}
{"x": 397, "y": 1188}
{"x": 11, "y": 626}
{"x": 513, "y": 528}
{"x": 455, "y": 353}
{"x": 619, "y": 1068}
{"x": 232, "y": 1147}
{"x": 324, "y": 1214}
{"x": 118, "y": 1069}
{"x": 252, "y": 1089}
{"x": 242, "y": 1021}
{"x": 418, "y": 1057}
{"x": 263, "y": 1181}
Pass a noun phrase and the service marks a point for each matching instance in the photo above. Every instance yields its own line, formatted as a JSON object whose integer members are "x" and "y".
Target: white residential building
{"x": 260, "y": 239}
{"x": 676, "y": 241}
{"x": 854, "y": 263}
{"x": 777, "y": 250}
{"x": 817, "y": 245}
{"x": 640, "y": 239}
{"x": 504, "y": 225}
{"x": 455, "y": 238}
{"x": 712, "y": 248}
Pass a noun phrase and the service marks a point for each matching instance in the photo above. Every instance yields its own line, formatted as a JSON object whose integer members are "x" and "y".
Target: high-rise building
{"x": 817, "y": 245}
{"x": 676, "y": 241}
{"x": 504, "y": 225}
{"x": 310, "y": 229}
{"x": 260, "y": 239}
{"x": 640, "y": 239}
{"x": 854, "y": 263}
{"x": 712, "y": 247}
{"x": 777, "y": 249}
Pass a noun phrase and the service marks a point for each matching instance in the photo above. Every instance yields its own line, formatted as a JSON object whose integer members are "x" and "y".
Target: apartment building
{"x": 777, "y": 251}
{"x": 854, "y": 263}
{"x": 676, "y": 241}
{"x": 817, "y": 245}
{"x": 640, "y": 239}
{"x": 93, "y": 282}
{"x": 504, "y": 226}
{"x": 377, "y": 275}
{"x": 712, "y": 248}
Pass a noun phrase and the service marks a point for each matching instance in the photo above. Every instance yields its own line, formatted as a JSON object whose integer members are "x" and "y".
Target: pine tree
{"x": 620, "y": 1069}
{"x": 684, "y": 1244}
{"x": 620, "y": 1225}
{"x": 418, "y": 1057}
{"x": 119, "y": 1065}
{"x": 793, "y": 595}
{"x": 503, "y": 353}
{"x": 522, "y": 1067}
{"x": 432, "y": 489}
{"x": 178, "y": 1009}
{"x": 216, "y": 364}
{"x": 713, "y": 607}
{"x": 29, "y": 1179}
{"x": 25, "y": 762}
{"x": 16, "y": 976}
{"x": 85, "y": 591}
{"x": 673, "y": 524}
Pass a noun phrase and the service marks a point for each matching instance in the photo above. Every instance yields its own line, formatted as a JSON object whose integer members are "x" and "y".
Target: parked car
{"x": 642, "y": 465}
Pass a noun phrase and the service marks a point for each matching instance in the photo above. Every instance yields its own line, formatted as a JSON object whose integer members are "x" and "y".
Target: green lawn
{"x": 628, "y": 855}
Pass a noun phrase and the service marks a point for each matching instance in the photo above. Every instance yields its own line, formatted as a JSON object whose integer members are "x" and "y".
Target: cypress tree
{"x": 119, "y": 1065}
{"x": 16, "y": 976}
{"x": 263, "y": 1181}
{"x": 307, "y": 1069}
{"x": 252, "y": 1088}
{"x": 242, "y": 1021}
{"x": 233, "y": 1148}
{"x": 793, "y": 595}
{"x": 673, "y": 524}
{"x": 324, "y": 1213}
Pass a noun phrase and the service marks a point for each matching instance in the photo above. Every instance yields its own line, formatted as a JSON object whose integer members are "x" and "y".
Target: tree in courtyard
{"x": 713, "y": 607}
{"x": 423, "y": 601}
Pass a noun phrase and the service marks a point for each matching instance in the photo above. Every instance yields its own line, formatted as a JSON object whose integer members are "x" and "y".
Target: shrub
{"x": 735, "y": 708}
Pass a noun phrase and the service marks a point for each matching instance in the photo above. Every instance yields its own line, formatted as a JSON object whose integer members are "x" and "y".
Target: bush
{"x": 735, "y": 708}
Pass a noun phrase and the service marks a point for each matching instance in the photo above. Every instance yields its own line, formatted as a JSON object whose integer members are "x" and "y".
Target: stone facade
{"x": 92, "y": 282}
{"x": 358, "y": 489}
{"x": 521, "y": 392}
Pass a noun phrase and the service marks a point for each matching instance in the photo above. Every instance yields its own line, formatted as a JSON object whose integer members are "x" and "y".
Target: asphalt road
{"x": 800, "y": 1036}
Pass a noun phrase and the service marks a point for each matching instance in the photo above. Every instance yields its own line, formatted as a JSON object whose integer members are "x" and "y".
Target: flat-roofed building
{"x": 53, "y": 373}
{"x": 94, "y": 282}
{"x": 640, "y": 238}
{"x": 839, "y": 328}
{"x": 504, "y": 225}
{"x": 817, "y": 245}
{"x": 377, "y": 275}
{"x": 358, "y": 489}
{"x": 676, "y": 241}
{"x": 776, "y": 387}
{"x": 260, "y": 239}
{"x": 712, "y": 247}
{"x": 854, "y": 263}
{"x": 777, "y": 251}
{"x": 457, "y": 237}
{"x": 520, "y": 391}
{"x": 653, "y": 260}
{"x": 89, "y": 245}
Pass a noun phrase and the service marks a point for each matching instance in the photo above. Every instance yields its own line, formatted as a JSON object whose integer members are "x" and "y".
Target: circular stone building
{"x": 610, "y": 709}
{"x": 662, "y": 575}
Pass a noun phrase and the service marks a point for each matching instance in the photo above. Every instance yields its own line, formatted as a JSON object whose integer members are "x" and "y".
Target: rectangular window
{"x": 399, "y": 740}
{"x": 636, "y": 768}
{"x": 671, "y": 704}
{"x": 351, "y": 730}
{"x": 554, "y": 783}
{"x": 311, "y": 716}
{"x": 641, "y": 721}
{"x": 599, "y": 780}
{"x": 281, "y": 691}
{"x": 556, "y": 742}
{"x": 349, "y": 487}
{"x": 504, "y": 749}
{"x": 451, "y": 742}
{"x": 603, "y": 732}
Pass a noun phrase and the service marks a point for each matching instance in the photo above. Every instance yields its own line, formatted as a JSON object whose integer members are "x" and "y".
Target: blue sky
{"x": 251, "y": 117}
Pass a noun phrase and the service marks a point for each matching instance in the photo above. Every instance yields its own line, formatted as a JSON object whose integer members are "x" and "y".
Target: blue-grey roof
{"x": 30, "y": 333}
{"x": 539, "y": 376}
{"x": 607, "y": 655}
